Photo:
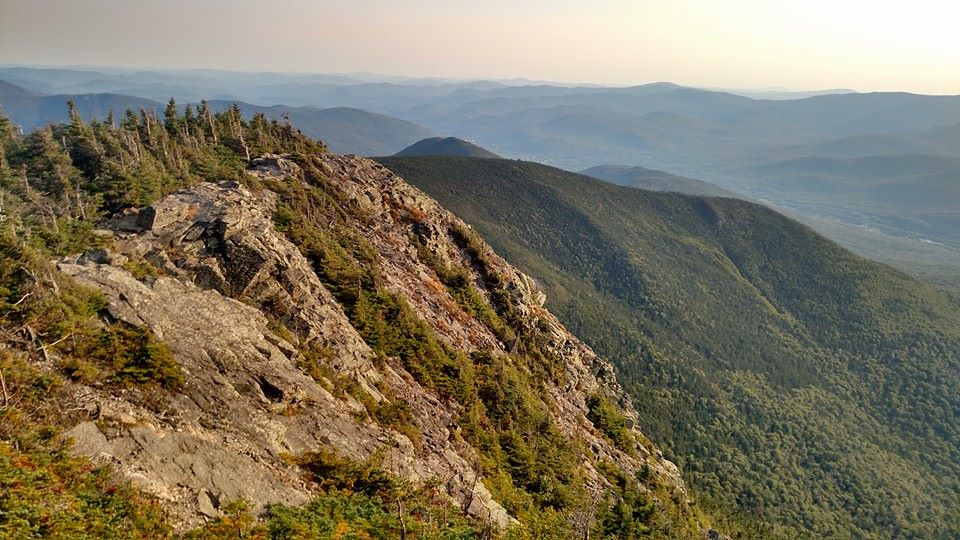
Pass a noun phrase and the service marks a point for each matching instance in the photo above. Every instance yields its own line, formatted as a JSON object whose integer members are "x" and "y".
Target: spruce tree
{"x": 170, "y": 118}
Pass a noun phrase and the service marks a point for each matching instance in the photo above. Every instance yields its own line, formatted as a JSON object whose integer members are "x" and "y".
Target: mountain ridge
{"x": 298, "y": 342}
{"x": 643, "y": 178}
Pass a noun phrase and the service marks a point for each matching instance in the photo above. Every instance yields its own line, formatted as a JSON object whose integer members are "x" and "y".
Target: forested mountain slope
{"x": 800, "y": 383}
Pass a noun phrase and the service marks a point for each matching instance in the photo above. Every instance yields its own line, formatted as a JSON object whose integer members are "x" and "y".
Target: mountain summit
{"x": 445, "y": 146}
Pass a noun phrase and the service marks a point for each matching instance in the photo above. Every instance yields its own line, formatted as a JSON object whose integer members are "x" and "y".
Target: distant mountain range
{"x": 446, "y": 146}
{"x": 30, "y": 109}
{"x": 343, "y": 129}
{"x": 750, "y": 146}
{"x": 779, "y": 93}
{"x": 636, "y": 177}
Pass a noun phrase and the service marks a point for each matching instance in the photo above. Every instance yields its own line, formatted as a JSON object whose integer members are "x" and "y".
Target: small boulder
{"x": 206, "y": 505}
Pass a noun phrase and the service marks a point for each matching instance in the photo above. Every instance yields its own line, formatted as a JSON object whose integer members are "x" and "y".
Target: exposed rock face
{"x": 390, "y": 201}
{"x": 228, "y": 277}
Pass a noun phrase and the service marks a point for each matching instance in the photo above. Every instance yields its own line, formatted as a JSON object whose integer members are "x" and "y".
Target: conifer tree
{"x": 170, "y": 120}
{"x": 188, "y": 119}
{"x": 76, "y": 121}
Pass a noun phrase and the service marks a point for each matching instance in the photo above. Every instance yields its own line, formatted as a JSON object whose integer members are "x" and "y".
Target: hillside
{"x": 790, "y": 379}
{"x": 446, "y": 146}
{"x": 643, "y": 178}
{"x": 216, "y": 328}
{"x": 29, "y": 109}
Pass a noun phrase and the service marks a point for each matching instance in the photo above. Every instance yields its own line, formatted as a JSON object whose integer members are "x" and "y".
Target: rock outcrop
{"x": 238, "y": 304}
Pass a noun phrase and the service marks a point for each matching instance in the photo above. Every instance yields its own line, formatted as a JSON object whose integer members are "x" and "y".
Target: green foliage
{"x": 460, "y": 286}
{"x": 793, "y": 383}
{"x": 528, "y": 464}
{"x": 121, "y": 354}
{"x": 235, "y": 521}
{"x": 359, "y": 501}
{"x": 333, "y": 472}
{"x": 531, "y": 463}
{"x": 54, "y": 184}
{"x": 629, "y": 515}
{"x": 608, "y": 419}
{"x": 341, "y": 256}
{"x": 66, "y": 319}
{"x": 46, "y": 493}
{"x": 392, "y": 329}
{"x": 393, "y": 413}
{"x": 362, "y": 499}
{"x": 359, "y": 516}
{"x": 142, "y": 269}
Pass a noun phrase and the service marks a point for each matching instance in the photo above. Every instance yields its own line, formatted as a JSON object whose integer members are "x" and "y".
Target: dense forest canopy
{"x": 788, "y": 378}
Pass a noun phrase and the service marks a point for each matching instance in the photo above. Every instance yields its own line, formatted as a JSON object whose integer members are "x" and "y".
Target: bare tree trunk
{"x": 403, "y": 524}
{"x": 243, "y": 143}
{"x": 146, "y": 123}
{"x": 3, "y": 388}
{"x": 213, "y": 127}
{"x": 133, "y": 142}
{"x": 26, "y": 182}
{"x": 81, "y": 205}
{"x": 473, "y": 491}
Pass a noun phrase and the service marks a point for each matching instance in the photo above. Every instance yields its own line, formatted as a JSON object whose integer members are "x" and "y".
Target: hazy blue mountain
{"x": 938, "y": 140}
{"x": 732, "y": 141}
{"x": 679, "y": 128}
{"x": 778, "y": 93}
{"x": 915, "y": 193}
{"x": 30, "y": 109}
{"x": 49, "y": 80}
{"x": 8, "y": 89}
{"x": 864, "y": 168}
{"x": 643, "y": 178}
{"x": 445, "y": 146}
{"x": 344, "y": 130}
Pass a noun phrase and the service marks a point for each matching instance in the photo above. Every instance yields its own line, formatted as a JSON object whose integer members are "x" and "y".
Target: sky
{"x": 814, "y": 44}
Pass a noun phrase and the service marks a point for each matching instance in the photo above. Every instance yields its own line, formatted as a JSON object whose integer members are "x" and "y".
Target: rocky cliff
{"x": 243, "y": 310}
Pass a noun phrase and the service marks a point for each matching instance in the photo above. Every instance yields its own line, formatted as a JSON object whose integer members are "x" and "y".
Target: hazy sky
{"x": 866, "y": 45}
